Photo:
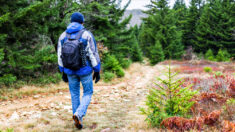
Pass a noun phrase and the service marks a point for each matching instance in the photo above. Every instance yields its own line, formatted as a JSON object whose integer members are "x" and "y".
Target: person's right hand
{"x": 65, "y": 77}
{"x": 96, "y": 77}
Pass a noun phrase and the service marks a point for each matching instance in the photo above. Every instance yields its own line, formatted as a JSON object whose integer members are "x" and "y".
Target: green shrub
{"x": 207, "y": 69}
{"x": 108, "y": 76}
{"x": 223, "y": 55}
{"x": 168, "y": 99}
{"x": 7, "y": 79}
{"x": 230, "y": 101}
{"x": 46, "y": 55}
{"x": 111, "y": 64}
{"x": 209, "y": 55}
{"x": 125, "y": 63}
{"x": 120, "y": 72}
{"x": 200, "y": 55}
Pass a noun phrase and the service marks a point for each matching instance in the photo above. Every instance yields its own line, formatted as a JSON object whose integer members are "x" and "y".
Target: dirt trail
{"x": 113, "y": 107}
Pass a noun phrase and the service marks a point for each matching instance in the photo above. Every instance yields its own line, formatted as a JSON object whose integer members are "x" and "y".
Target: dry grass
{"x": 27, "y": 91}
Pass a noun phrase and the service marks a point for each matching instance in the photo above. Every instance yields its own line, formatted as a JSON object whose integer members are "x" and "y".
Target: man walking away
{"x": 77, "y": 58}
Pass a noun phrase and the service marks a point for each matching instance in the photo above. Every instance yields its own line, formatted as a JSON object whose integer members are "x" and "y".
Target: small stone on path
{"x": 14, "y": 116}
{"x": 106, "y": 130}
{"x": 54, "y": 113}
{"x": 36, "y": 96}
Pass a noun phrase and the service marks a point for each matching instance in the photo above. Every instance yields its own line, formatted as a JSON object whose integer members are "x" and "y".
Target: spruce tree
{"x": 180, "y": 11}
{"x": 210, "y": 55}
{"x": 216, "y": 26}
{"x": 137, "y": 54}
{"x": 190, "y": 22}
{"x": 160, "y": 27}
{"x": 156, "y": 53}
{"x": 24, "y": 27}
{"x": 104, "y": 19}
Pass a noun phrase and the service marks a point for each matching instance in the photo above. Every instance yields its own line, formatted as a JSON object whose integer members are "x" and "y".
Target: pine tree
{"x": 210, "y": 55}
{"x": 191, "y": 20}
{"x": 179, "y": 4}
{"x": 104, "y": 19}
{"x": 215, "y": 28}
{"x": 180, "y": 11}
{"x": 168, "y": 98}
{"x": 161, "y": 26}
{"x": 156, "y": 53}
{"x": 137, "y": 54}
{"x": 223, "y": 55}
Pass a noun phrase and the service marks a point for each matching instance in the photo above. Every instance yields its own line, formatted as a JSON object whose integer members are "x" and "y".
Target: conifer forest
{"x": 173, "y": 72}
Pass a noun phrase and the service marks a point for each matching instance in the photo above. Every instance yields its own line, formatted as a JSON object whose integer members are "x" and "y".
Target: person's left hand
{"x": 96, "y": 77}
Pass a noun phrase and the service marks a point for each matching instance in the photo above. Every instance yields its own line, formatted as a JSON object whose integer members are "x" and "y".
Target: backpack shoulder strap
{"x": 80, "y": 33}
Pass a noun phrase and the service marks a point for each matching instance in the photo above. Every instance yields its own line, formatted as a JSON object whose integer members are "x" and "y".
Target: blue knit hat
{"x": 77, "y": 17}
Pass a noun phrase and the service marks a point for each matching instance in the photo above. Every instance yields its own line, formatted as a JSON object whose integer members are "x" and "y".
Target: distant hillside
{"x": 137, "y": 16}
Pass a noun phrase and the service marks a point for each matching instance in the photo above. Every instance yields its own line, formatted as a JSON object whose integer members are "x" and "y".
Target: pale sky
{"x": 140, "y": 4}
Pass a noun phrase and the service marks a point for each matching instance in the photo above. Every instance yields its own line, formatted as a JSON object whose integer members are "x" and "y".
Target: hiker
{"x": 78, "y": 57}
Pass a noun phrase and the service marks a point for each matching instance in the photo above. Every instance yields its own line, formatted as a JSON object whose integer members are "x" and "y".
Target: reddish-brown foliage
{"x": 183, "y": 124}
{"x": 212, "y": 118}
{"x": 228, "y": 126}
{"x": 199, "y": 122}
{"x": 231, "y": 88}
{"x": 211, "y": 97}
{"x": 178, "y": 123}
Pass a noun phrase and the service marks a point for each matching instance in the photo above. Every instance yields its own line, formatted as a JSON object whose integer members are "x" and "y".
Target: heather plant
{"x": 168, "y": 98}
{"x": 218, "y": 73}
{"x": 228, "y": 109}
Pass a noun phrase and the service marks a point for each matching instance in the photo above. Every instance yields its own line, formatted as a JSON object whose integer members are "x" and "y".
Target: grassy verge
{"x": 25, "y": 91}
{"x": 31, "y": 86}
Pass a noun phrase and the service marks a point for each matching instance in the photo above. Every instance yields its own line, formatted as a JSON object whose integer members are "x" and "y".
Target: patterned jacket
{"x": 93, "y": 59}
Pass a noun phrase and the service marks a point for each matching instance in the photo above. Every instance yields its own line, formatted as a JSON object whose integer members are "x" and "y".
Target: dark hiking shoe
{"x": 77, "y": 122}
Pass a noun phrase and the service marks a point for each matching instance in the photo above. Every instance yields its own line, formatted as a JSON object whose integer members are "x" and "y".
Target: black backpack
{"x": 73, "y": 53}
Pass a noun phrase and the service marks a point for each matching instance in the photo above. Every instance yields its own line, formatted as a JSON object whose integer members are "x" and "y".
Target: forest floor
{"x": 114, "y": 107}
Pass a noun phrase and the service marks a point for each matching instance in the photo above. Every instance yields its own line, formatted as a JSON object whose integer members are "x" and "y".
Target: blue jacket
{"x": 93, "y": 62}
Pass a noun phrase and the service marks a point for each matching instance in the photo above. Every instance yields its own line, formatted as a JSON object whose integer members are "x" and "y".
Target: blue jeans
{"x": 80, "y": 108}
